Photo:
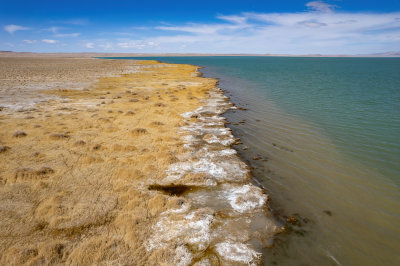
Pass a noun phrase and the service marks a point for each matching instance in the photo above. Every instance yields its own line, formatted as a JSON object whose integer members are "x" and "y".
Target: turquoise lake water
{"x": 329, "y": 132}
{"x": 355, "y": 101}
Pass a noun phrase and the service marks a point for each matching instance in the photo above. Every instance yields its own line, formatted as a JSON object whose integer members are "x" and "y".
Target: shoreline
{"x": 392, "y": 54}
{"x": 141, "y": 163}
{"x": 277, "y": 144}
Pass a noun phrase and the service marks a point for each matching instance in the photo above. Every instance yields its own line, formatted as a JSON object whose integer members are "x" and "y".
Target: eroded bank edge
{"x": 221, "y": 211}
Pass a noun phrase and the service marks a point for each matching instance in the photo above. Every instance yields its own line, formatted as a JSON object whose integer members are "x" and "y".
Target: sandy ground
{"x": 22, "y": 77}
{"x": 82, "y": 164}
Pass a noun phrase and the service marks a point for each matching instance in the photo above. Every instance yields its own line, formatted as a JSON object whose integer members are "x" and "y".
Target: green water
{"x": 355, "y": 101}
{"x": 329, "y": 131}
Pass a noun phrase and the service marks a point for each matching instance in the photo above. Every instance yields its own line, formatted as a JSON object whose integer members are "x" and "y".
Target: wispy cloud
{"x": 312, "y": 23}
{"x": 52, "y": 29}
{"x": 136, "y": 44}
{"x": 29, "y": 41}
{"x": 233, "y": 19}
{"x": 107, "y": 46}
{"x": 56, "y": 31}
{"x": 203, "y": 28}
{"x": 193, "y": 28}
{"x": 320, "y": 6}
{"x": 50, "y": 41}
{"x": 76, "y": 21}
{"x": 89, "y": 45}
{"x": 62, "y": 35}
{"x": 141, "y": 28}
{"x": 320, "y": 28}
{"x": 13, "y": 28}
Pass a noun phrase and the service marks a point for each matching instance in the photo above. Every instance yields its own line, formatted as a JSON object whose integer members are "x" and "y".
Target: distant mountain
{"x": 387, "y": 54}
{"x": 100, "y": 54}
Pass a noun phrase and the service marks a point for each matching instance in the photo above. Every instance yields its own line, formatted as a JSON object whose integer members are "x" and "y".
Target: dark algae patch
{"x": 173, "y": 190}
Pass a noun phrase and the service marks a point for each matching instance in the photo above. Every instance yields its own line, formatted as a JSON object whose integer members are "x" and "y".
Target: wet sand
{"x": 122, "y": 162}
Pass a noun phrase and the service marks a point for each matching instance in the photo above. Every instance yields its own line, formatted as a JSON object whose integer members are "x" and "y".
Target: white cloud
{"x": 318, "y": 30}
{"x": 29, "y": 41}
{"x": 193, "y": 28}
{"x": 288, "y": 33}
{"x": 141, "y": 28}
{"x": 53, "y": 29}
{"x": 136, "y": 44}
{"x": 233, "y": 19}
{"x": 320, "y": 6}
{"x": 13, "y": 28}
{"x": 204, "y": 28}
{"x": 107, "y": 46}
{"x": 89, "y": 45}
{"x": 77, "y": 21}
{"x": 49, "y": 41}
{"x": 312, "y": 24}
{"x": 67, "y": 35}
{"x": 309, "y": 32}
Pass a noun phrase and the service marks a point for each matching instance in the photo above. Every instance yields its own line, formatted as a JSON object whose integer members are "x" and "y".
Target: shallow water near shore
{"x": 323, "y": 138}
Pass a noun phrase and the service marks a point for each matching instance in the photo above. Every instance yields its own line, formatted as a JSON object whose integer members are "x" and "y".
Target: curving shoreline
{"x": 135, "y": 168}
{"x": 222, "y": 211}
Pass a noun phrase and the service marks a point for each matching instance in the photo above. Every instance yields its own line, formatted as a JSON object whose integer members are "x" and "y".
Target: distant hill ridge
{"x": 99, "y": 54}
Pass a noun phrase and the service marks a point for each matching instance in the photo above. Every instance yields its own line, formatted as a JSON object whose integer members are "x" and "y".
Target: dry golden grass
{"x": 75, "y": 188}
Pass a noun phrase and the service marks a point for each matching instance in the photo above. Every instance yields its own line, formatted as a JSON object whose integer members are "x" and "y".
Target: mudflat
{"x": 22, "y": 77}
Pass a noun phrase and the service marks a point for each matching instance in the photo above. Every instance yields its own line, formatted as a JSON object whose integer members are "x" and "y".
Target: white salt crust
{"x": 245, "y": 198}
{"x": 221, "y": 171}
{"x": 208, "y": 142}
{"x": 185, "y": 207}
{"x": 237, "y": 252}
{"x": 183, "y": 257}
{"x": 203, "y": 262}
{"x": 193, "y": 229}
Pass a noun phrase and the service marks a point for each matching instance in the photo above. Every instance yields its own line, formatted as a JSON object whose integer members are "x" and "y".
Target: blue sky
{"x": 218, "y": 26}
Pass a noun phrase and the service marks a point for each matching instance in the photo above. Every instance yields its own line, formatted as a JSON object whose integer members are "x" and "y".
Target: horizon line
{"x": 110, "y": 54}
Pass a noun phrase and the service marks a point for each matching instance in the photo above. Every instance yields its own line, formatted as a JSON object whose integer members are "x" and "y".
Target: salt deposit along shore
{"x": 122, "y": 162}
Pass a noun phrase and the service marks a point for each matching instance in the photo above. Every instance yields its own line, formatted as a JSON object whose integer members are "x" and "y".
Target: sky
{"x": 218, "y": 26}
